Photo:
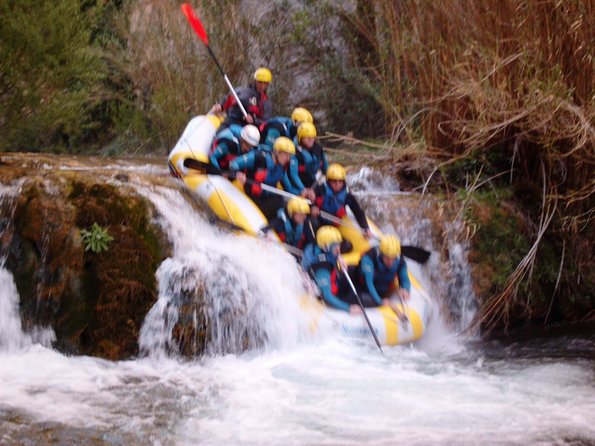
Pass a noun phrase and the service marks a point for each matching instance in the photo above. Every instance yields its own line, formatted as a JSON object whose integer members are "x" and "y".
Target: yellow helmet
{"x": 300, "y": 114}
{"x": 335, "y": 172}
{"x": 390, "y": 246}
{"x": 306, "y": 130}
{"x": 263, "y": 75}
{"x": 283, "y": 144}
{"x": 298, "y": 205}
{"x": 328, "y": 235}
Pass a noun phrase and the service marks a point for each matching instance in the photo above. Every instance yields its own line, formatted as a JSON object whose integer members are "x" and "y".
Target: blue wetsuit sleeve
{"x": 367, "y": 268}
{"x": 403, "y": 274}
{"x": 244, "y": 162}
{"x": 308, "y": 258}
{"x": 324, "y": 163}
{"x": 294, "y": 176}
{"x": 287, "y": 186}
{"x": 323, "y": 280}
{"x": 220, "y": 151}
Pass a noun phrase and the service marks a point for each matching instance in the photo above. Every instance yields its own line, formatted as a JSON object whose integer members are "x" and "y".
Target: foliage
{"x": 96, "y": 239}
{"x": 51, "y": 76}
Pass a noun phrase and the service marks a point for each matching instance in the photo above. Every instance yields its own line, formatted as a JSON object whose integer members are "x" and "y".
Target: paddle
{"x": 202, "y": 35}
{"x": 414, "y": 253}
{"x": 361, "y": 305}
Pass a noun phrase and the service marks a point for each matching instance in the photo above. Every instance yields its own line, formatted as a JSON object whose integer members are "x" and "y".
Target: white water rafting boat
{"x": 229, "y": 202}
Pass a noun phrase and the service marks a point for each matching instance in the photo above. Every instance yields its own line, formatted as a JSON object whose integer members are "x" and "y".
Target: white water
{"x": 333, "y": 394}
{"x": 251, "y": 288}
{"x": 12, "y": 336}
{"x": 289, "y": 389}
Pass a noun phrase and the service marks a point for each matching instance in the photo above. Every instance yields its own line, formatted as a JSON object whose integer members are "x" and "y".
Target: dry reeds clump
{"x": 514, "y": 77}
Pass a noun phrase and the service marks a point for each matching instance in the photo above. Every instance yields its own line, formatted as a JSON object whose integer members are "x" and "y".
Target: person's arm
{"x": 220, "y": 152}
{"x": 324, "y": 162}
{"x": 323, "y": 280}
{"x": 367, "y": 267}
{"x": 403, "y": 275}
{"x": 278, "y": 226}
{"x": 308, "y": 258}
{"x": 294, "y": 176}
{"x": 288, "y": 186}
{"x": 244, "y": 162}
{"x": 358, "y": 212}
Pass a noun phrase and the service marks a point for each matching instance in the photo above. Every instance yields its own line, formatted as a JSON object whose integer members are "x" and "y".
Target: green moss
{"x": 119, "y": 285}
{"x": 500, "y": 240}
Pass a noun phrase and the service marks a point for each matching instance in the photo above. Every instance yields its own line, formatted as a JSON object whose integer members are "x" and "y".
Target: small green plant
{"x": 96, "y": 239}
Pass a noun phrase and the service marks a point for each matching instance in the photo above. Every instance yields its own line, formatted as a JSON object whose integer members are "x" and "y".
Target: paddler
{"x": 232, "y": 142}
{"x": 333, "y": 197}
{"x": 322, "y": 260}
{"x": 292, "y": 224}
{"x": 262, "y": 167}
{"x": 254, "y": 99}
{"x": 272, "y": 128}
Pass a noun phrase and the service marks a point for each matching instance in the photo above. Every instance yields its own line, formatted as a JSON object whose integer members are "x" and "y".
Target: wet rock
{"x": 94, "y": 301}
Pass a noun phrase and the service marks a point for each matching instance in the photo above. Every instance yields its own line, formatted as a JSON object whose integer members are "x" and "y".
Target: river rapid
{"x": 329, "y": 393}
{"x": 291, "y": 387}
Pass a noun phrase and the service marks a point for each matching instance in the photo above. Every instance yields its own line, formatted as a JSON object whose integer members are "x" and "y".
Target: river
{"x": 329, "y": 393}
{"x": 290, "y": 387}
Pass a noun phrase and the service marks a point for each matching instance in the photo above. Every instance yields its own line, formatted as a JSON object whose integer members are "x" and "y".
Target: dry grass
{"x": 495, "y": 75}
{"x": 173, "y": 75}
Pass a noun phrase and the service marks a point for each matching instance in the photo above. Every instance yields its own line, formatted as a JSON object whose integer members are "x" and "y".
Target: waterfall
{"x": 12, "y": 335}
{"x": 231, "y": 292}
{"x": 448, "y": 280}
{"x": 248, "y": 289}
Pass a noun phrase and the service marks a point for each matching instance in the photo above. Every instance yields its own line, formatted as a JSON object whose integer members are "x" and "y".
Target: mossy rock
{"x": 95, "y": 302}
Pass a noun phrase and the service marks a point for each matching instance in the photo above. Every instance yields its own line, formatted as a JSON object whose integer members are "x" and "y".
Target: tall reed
{"x": 514, "y": 77}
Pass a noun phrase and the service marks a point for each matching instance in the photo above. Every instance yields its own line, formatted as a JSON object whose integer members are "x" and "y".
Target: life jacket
{"x": 324, "y": 260}
{"x": 294, "y": 235}
{"x": 251, "y": 99}
{"x": 310, "y": 161}
{"x": 331, "y": 202}
{"x": 383, "y": 277}
{"x": 265, "y": 171}
{"x": 272, "y": 128}
{"x": 230, "y": 136}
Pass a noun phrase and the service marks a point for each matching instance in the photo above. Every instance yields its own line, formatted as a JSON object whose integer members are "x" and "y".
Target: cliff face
{"x": 94, "y": 301}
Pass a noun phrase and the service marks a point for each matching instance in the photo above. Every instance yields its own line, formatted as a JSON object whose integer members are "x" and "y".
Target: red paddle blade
{"x": 195, "y": 23}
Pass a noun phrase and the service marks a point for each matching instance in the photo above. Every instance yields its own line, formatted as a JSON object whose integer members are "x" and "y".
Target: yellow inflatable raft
{"x": 229, "y": 202}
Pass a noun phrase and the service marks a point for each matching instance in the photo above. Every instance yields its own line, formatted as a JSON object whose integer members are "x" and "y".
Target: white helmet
{"x": 251, "y": 135}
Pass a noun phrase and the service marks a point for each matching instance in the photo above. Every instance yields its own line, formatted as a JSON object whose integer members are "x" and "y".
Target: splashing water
{"x": 250, "y": 288}
{"x": 12, "y": 336}
{"x": 332, "y": 392}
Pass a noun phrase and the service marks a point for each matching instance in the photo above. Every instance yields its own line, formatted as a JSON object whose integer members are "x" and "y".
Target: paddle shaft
{"x": 199, "y": 30}
{"x": 361, "y": 305}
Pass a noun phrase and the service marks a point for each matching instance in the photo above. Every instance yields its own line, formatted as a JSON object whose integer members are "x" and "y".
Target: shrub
{"x": 51, "y": 75}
